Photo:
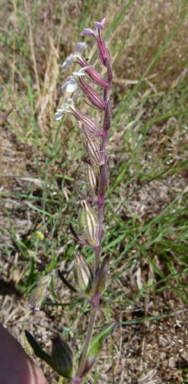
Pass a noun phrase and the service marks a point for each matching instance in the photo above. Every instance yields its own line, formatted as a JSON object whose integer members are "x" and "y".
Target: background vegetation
{"x": 146, "y": 212}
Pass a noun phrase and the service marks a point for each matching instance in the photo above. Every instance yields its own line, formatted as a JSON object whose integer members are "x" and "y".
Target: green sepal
{"x": 62, "y": 357}
{"x": 95, "y": 347}
{"x": 38, "y": 350}
{"x": 61, "y": 360}
{"x": 99, "y": 282}
{"x": 83, "y": 274}
{"x": 39, "y": 293}
{"x": 96, "y": 343}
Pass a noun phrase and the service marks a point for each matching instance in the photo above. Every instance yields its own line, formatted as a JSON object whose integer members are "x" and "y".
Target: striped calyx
{"x": 39, "y": 294}
{"x": 88, "y": 223}
{"x": 62, "y": 357}
{"x": 92, "y": 95}
{"x": 91, "y": 180}
{"x": 83, "y": 273}
{"x": 93, "y": 74}
{"x": 92, "y": 148}
{"x": 99, "y": 282}
{"x": 90, "y": 127}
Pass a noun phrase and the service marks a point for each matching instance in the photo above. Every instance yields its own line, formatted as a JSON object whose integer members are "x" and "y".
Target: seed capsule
{"x": 39, "y": 294}
{"x": 88, "y": 223}
{"x": 62, "y": 357}
{"x": 103, "y": 181}
{"x": 92, "y": 148}
{"x": 90, "y": 127}
{"x": 92, "y": 180}
{"x": 99, "y": 282}
{"x": 93, "y": 96}
{"x": 83, "y": 273}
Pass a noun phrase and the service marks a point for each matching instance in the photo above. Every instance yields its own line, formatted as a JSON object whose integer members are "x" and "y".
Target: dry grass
{"x": 146, "y": 219}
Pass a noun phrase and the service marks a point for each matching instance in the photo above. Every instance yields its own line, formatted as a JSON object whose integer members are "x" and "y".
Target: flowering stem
{"x": 103, "y": 181}
{"x": 91, "y": 282}
{"x": 103, "y": 178}
{"x": 87, "y": 342}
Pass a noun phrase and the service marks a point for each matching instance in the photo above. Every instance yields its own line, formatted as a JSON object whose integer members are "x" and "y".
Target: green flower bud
{"x": 62, "y": 357}
{"x": 39, "y": 294}
{"x": 103, "y": 182}
{"x": 92, "y": 180}
{"x": 40, "y": 235}
{"x": 92, "y": 148}
{"x": 99, "y": 282}
{"x": 83, "y": 273}
{"x": 88, "y": 224}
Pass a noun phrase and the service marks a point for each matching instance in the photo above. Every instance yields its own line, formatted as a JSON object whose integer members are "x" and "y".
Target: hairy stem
{"x": 100, "y": 216}
{"x": 87, "y": 342}
{"x": 103, "y": 187}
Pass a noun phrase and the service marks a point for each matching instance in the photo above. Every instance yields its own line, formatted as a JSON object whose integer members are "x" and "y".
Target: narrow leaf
{"x": 62, "y": 357}
{"x": 96, "y": 343}
{"x": 4, "y": 116}
{"x": 38, "y": 350}
{"x": 66, "y": 282}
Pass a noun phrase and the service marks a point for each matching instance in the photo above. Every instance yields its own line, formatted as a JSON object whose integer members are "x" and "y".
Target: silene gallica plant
{"x": 90, "y": 280}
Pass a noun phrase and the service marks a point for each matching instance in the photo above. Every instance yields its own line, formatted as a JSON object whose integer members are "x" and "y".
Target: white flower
{"x": 59, "y": 113}
{"x": 81, "y": 71}
{"x": 79, "y": 47}
{"x": 69, "y": 60}
{"x": 90, "y": 32}
{"x": 71, "y": 84}
{"x": 64, "y": 109}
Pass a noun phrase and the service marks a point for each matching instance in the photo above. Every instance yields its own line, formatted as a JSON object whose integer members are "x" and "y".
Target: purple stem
{"x": 103, "y": 186}
{"x": 103, "y": 170}
{"x": 86, "y": 346}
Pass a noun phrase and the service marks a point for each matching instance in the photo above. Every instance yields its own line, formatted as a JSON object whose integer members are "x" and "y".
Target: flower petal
{"x": 70, "y": 85}
{"x": 81, "y": 71}
{"x": 80, "y": 46}
{"x": 68, "y": 61}
{"x": 100, "y": 25}
{"x": 88, "y": 32}
{"x": 58, "y": 115}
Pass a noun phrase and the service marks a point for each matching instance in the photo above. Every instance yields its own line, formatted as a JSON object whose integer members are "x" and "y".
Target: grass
{"x": 146, "y": 213}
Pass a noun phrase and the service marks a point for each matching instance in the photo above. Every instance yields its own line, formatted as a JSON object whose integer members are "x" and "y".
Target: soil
{"x": 152, "y": 351}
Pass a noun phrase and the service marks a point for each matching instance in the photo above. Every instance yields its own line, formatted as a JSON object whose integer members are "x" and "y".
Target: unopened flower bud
{"x": 107, "y": 117}
{"x": 62, "y": 357}
{"x": 92, "y": 180}
{"x": 92, "y": 148}
{"x": 90, "y": 127}
{"x": 92, "y": 95}
{"x": 83, "y": 273}
{"x": 103, "y": 182}
{"x": 103, "y": 51}
{"x": 99, "y": 282}
{"x": 95, "y": 76}
{"x": 88, "y": 223}
{"x": 39, "y": 294}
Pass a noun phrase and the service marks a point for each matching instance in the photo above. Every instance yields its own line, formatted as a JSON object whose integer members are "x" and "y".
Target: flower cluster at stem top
{"x": 72, "y": 82}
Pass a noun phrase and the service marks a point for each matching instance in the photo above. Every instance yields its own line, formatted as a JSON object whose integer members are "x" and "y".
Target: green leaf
{"x": 62, "y": 357}
{"x": 61, "y": 360}
{"x": 96, "y": 343}
{"x": 38, "y": 350}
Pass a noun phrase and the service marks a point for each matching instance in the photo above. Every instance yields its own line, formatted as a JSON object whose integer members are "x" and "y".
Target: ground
{"x": 146, "y": 206}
